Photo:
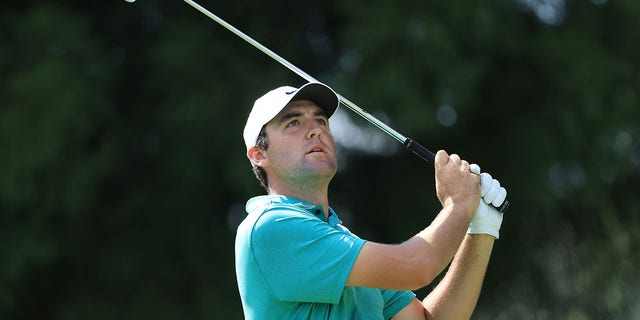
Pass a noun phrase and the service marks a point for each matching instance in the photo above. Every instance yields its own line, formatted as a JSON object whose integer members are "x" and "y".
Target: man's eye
{"x": 293, "y": 123}
{"x": 322, "y": 122}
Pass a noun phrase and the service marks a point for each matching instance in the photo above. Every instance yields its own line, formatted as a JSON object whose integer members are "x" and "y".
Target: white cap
{"x": 269, "y": 105}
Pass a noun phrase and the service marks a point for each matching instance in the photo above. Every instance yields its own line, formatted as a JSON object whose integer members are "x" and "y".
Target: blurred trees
{"x": 123, "y": 169}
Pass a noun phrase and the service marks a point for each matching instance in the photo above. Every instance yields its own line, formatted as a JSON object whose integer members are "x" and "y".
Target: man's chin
{"x": 323, "y": 168}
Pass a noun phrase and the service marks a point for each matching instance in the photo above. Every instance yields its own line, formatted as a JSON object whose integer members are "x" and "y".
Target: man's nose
{"x": 315, "y": 130}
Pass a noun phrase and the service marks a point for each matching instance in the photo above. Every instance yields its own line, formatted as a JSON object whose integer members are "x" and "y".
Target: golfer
{"x": 295, "y": 259}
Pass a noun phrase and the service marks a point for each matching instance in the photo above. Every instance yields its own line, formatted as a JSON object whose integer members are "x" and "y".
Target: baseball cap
{"x": 269, "y": 105}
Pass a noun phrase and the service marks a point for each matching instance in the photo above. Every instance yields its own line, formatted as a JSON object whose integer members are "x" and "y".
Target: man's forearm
{"x": 456, "y": 295}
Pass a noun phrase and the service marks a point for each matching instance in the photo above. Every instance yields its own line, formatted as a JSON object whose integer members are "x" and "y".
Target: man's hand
{"x": 455, "y": 184}
{"x": 491, "y": 191}
{"x": 487, "y": 220}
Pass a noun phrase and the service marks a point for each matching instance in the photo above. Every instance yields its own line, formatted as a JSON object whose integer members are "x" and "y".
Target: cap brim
{"x": 320, "y": 94}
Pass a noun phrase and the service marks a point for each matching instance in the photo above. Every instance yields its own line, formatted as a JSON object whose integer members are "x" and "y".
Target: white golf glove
{"x": 487, "y": 219}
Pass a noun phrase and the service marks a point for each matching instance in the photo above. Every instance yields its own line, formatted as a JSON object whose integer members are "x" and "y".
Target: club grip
{"x": 419, "y": 150}
{"x": 429, "y": 156}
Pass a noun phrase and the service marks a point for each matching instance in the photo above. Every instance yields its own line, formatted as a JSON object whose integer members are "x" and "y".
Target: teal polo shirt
{"x": 293, "y": 263}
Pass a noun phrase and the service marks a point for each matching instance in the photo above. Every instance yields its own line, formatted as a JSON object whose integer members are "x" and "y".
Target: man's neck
{"x": 317, "y": 196}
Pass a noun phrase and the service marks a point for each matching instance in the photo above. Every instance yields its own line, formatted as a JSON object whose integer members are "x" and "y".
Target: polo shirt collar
{"x": 263, "y": 201}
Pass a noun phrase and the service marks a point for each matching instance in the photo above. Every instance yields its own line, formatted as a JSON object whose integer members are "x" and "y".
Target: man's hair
{"x": 262, "y": 143}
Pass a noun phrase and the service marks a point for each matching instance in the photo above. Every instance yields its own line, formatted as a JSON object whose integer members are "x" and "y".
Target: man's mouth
{"x": 315, "y": 149}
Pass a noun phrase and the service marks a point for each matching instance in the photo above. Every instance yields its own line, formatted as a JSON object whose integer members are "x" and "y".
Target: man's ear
{"x": 257, "y": 156}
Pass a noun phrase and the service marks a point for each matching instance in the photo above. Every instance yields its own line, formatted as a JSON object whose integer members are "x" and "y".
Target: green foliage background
{"x": 123, "y": 174}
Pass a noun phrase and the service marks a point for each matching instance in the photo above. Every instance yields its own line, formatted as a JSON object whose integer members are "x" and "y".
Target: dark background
{"x": 123, "y": 172}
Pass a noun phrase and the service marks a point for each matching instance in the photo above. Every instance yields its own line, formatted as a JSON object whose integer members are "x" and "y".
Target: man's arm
{"x": 417, "y": 261}
{"x": 414, "y": 263}
{"x": 456, "y": 295}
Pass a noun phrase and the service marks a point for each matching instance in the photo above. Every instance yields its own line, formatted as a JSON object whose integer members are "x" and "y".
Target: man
{"x": 294, "y": 258}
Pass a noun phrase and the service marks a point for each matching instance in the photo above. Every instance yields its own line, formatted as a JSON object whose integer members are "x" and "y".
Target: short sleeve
{"x": 394, "y": 301}
{"x": 302, "y": 258}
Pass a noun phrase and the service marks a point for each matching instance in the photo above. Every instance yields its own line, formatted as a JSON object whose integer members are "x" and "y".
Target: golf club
{"x": 409, "y": 143}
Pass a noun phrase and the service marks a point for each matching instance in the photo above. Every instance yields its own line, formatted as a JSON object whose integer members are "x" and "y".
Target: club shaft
{"x": 253, "y": 42}
{"x": 346, "y": 102}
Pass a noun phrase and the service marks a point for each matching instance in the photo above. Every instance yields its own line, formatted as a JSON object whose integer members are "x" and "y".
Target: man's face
{"x": 300, "y": 144}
